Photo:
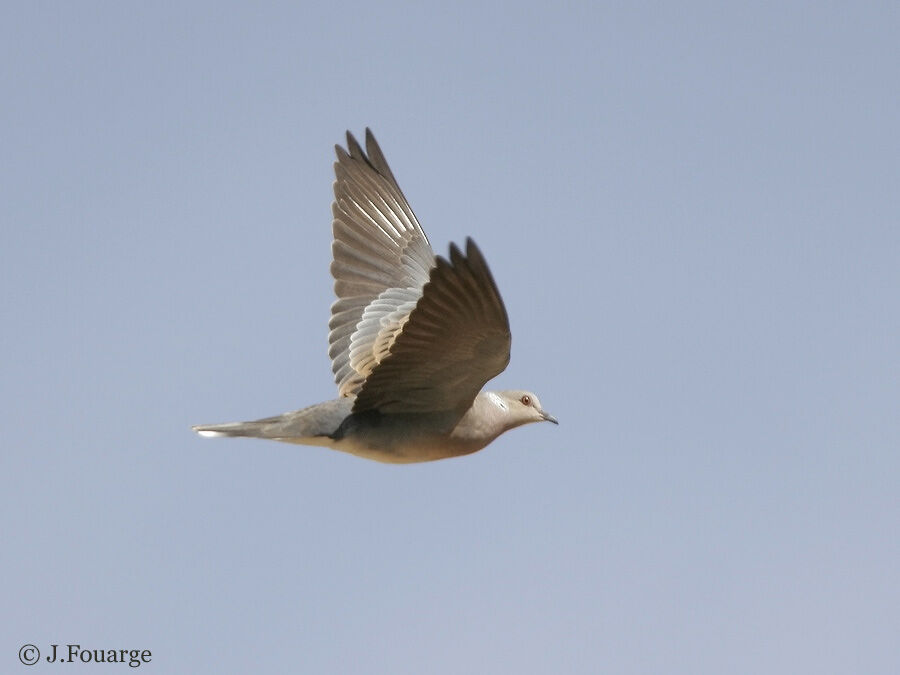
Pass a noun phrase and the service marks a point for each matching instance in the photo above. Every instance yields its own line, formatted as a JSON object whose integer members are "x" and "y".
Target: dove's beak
{"x": 548, "y": 417}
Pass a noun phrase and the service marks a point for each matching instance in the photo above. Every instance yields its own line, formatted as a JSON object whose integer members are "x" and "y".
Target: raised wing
{"x": 456, "y": 339}
{"x": 381, "y": 262}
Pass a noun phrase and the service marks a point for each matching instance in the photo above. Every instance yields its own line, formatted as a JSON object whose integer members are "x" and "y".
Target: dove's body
{"x": 395, "y": 438}
{"x": 413, "y": 336}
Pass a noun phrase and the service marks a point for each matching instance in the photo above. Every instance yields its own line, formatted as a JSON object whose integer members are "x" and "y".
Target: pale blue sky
{"x": 693, "y": 214}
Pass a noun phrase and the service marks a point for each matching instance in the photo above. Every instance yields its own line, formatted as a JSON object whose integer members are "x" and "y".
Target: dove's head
{"x": 519, "y": 407}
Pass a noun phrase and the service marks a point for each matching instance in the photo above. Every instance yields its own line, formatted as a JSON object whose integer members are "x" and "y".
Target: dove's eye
{"x": 526, "y": 400}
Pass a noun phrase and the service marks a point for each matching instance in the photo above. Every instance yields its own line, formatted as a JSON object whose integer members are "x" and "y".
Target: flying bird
{"x": 413, "y": 336}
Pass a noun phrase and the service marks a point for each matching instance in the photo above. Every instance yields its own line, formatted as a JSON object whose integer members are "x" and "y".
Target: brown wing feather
{"x": 380, "y": 254}
{"x": 456, "y": 339}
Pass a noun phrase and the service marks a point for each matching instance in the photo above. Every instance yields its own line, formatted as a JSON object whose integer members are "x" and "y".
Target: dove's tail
{"x": 285, "y": 428}
{"x": 314, "y": 425}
